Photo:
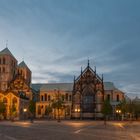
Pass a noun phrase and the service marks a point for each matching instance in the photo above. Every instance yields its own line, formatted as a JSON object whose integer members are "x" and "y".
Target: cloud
{"x": 56, "y": 38}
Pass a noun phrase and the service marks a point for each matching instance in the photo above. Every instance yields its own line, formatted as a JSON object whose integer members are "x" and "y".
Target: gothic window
{"x": 88, "y": 104}
{"x": 88, "y": 100}
{"x": 118, "y": 98}
{"x": 108, "y": 97}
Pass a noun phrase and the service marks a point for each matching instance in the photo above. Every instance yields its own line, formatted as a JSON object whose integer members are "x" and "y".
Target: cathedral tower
{"x": 8, "y": 66}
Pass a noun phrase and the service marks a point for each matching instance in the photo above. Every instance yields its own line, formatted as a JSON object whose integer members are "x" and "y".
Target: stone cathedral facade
{"x": 15, "y": 80}
{"x": 82, "y": 99}
{"x": 88, "y": 94}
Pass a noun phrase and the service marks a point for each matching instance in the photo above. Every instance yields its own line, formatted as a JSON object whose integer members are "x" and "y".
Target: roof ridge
{"x": 7, "y": 51}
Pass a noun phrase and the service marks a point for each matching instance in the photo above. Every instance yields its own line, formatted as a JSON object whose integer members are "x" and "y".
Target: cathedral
{"x": 82, "y": 99}
{"x": 15, "y": 80}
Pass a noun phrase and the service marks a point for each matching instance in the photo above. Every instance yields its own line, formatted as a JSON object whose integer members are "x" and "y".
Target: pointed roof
{"x": 23, "y": 65}
{"x": 88, "y": 68}
{"x": 6, "y": 51}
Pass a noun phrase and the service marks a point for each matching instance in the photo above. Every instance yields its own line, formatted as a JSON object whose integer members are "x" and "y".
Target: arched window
{"x": 88, "y": 100}
{"x": 45, "y": 97}
{"x": 4, "y": 61}
{"x": 118, "y": 98}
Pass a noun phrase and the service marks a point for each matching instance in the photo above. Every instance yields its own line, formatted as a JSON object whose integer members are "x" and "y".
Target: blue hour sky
{"x": 56, "y": 37}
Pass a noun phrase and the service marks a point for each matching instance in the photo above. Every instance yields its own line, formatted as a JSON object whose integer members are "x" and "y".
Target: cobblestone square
{"x": 69, "y": 130}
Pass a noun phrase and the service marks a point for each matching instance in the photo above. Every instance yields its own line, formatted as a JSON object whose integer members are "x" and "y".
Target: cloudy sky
{"x": 56, "y": 37}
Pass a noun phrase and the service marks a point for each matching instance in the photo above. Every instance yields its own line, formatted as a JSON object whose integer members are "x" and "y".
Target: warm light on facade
{"x": 77, "y": 110}
{"x": 118, "y": 111}
{"x": 25, "y": 110}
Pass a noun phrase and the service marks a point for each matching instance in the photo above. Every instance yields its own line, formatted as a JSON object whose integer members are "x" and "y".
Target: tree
{"x": 13, "y": 112}
{"x": 106, "y": 110}
{"x": 2, "y": 109}
{"x": 124, "y": 107}
{"x": 32, "y": 109}
{"x": 48, "y": 111}
{"x": 58, "y": 104}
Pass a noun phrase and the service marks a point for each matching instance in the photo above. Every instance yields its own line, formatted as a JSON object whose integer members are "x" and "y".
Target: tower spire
{"x": 102, "y": 77}
{"x": 88, "y": 62}
{"x": 81, "y": 71}
{"x": 6, "y": 43}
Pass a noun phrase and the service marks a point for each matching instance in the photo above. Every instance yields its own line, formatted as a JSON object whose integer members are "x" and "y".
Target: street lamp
{"x": 77, "y": 110}
{"x": 118, "y": 111}
{"x": 24, "y": 110}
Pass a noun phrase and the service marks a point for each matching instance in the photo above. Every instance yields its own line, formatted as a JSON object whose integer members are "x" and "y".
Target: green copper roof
{"x": 6, "y": 51}
{"x": 65, "y": 86}
{"x": 53, "y": 86}
{"x": 109, "y": 86}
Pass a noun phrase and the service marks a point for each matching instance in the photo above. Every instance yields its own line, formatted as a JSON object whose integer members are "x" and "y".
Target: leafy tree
{"x": 32, "y": 109}
{"x": 136, "y": 110}
{"x": 106, "y": 109}
{"x": 13, "y": 112}
{"x": 48, "y": 111}
{"x": 58, "y": 104}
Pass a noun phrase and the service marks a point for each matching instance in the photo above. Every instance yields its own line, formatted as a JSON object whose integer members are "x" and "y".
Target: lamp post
{"x": 118, "y": 112}
{"x": 77, "y": 110}
{"x": 24, "y": 110}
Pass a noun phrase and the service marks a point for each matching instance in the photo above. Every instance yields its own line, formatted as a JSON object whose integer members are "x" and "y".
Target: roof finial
{"x": 88, "y": 62}
{"x": 81, "y": 71}
{"x": 102, "y": 77}
{"x": 95, "y": 69}
{"x": 6, "y": 43}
